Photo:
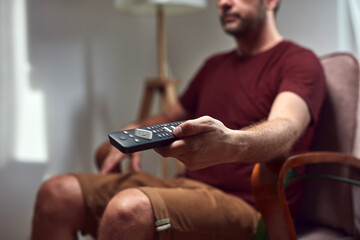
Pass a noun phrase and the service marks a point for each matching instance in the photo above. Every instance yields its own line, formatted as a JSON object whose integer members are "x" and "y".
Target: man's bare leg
{"x": 128, "y": 215}
{"x": 59, "y": 209}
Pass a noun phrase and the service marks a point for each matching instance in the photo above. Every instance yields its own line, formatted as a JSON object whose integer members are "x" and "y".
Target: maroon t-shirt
{"x": 239, "y": 91}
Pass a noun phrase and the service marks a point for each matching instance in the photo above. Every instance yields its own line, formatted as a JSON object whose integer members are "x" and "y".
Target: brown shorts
{"x": 183, "y": 208}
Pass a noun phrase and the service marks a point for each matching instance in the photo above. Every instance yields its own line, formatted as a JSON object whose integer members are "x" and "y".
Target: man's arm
{"x": 175, "y": 113}
{"x": 205, "y": 141}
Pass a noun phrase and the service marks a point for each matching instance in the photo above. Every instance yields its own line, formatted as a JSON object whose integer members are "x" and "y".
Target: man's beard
{"x": 245, "y": 25}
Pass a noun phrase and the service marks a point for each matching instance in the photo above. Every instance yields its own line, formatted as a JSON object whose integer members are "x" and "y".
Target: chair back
{"x": 336, "y": 205}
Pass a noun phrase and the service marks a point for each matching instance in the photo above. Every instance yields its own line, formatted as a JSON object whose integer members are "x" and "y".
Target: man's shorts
{"x": 183, "y": 208}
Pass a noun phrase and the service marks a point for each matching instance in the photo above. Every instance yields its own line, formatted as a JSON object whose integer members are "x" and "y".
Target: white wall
{"x": 90, "y": 61}
{"x": 312, "y": 23}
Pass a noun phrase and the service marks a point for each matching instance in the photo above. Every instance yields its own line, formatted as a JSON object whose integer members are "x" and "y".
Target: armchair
{"x": 330, "y": 209}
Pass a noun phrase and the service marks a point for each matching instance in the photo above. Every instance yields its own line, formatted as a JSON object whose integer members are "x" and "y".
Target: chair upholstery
{"x": 340, "y": 112}
{"x": 337, "y": 131}
{"x": 330, "y": 209}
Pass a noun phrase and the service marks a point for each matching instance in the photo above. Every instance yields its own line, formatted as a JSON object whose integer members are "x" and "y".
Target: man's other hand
{"x": 115, "y": 157}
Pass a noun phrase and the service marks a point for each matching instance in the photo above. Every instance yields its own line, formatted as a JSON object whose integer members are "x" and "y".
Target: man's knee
{"x": 128, "y": 205}
{"x": 128, "y": 211}
{"x": 59, "y": 194}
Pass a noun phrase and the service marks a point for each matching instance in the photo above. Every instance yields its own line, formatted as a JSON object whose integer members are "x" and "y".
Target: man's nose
{"x": 225, "y": 2}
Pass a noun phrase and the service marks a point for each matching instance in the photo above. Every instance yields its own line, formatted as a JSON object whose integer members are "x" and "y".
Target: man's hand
{"x": 113, "y": 159}
{"x": 203, "y": 142}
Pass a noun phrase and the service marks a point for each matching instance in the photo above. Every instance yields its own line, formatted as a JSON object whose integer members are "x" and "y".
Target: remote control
{"x": 139, "y": 139}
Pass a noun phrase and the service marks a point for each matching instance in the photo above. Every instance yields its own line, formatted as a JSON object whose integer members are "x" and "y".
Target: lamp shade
{"x": 148, "y": 7}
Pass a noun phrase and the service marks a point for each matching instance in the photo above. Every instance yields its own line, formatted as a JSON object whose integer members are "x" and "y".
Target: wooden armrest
{"x": 268, "y": 188}
{"x": 319, "y": 157}
{"x": 270, "y": 202}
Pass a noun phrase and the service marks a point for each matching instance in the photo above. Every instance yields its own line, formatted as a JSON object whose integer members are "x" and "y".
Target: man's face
{"x": 241, "y": 17}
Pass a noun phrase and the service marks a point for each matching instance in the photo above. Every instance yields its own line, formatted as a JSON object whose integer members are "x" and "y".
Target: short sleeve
{"x": 303, "y": 75}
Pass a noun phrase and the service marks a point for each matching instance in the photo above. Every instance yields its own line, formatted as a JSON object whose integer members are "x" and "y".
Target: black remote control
{"x": 144, "y": 138}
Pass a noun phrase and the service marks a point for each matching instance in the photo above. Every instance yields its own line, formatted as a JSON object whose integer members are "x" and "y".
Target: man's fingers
{"x": 106, "y": 167}
{"x": 174, "y": 149}
{"x": 136, "y": 161}
{"x": 111, "y": 163}
{"x": 194, "y": 127}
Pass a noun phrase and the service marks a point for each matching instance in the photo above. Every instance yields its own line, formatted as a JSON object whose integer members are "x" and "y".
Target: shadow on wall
{"x": 19, "y": 182}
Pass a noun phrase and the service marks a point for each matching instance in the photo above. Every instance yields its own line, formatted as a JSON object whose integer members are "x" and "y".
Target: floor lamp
{"x": 162, "y": 83}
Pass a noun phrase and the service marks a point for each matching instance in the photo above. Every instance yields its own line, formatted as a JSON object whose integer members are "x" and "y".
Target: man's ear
{"x": 271, "y": 4}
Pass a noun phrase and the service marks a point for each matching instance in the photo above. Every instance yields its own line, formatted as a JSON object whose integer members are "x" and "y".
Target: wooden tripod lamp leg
{"x": 147, "y": 100}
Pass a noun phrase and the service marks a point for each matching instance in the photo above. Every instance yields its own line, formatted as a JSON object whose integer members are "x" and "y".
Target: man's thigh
{"x": 183, "y": 208}
{"x": 192, "y": 210}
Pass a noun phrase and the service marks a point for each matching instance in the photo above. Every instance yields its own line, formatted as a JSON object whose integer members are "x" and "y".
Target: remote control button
{"x": 167, "y": 129}
{"x": 136, "y": 140}
{"x": 130, "y": 135}
{"x": 123, "y": 138}
{"x": 126, "y": 132}
{"x": 142, "y": 133}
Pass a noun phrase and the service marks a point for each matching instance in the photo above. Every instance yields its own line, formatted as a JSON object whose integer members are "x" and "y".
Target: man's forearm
{"x": 266, "y": 140}
{"x": 288, "y": 119}
{"x": 205, "y": 141}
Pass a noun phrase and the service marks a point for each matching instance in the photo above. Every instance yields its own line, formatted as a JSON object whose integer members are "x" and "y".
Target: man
{"x": 249, "y": 105}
